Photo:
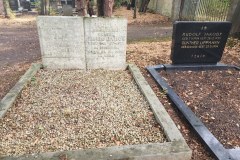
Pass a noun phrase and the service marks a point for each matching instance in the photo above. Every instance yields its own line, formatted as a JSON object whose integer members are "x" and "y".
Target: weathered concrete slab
{"x": 62, "y": 37}
{"x": 105, "y": 42}
{"x": 166, "y": 151}
{"x": 67, "y": 10}
{"x": 61, "y": 63}
{"x": 235, "y": 153}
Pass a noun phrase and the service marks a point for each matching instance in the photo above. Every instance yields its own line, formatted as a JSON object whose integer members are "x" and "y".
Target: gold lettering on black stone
{"x": 198, "y": 42}
{"x": 201, "y": 40}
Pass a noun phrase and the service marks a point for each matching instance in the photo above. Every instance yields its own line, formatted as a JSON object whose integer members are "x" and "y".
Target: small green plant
{"x": 119, "y": 3}
{"x": 231, "y": 42}
{"x": 50, "y": 10}
{"x": 38, "y": 6}
{"x": 33, "y": 79}
{"x": 164, "y": 91}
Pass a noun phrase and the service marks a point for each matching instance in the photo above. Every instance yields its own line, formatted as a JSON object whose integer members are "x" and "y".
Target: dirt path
{"x": 144, "y": 32}
{"x": 18, "y": 41}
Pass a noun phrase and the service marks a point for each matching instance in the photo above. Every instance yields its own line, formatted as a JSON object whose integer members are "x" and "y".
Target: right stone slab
{"x": 105, "y": 43}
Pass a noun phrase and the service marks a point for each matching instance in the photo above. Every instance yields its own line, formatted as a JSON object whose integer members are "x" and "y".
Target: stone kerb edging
{"x": 82, "y": 42}
{"x": 158, "y": 109}
{"x": 175, "y": 148}
{"x": 12, "y": 95}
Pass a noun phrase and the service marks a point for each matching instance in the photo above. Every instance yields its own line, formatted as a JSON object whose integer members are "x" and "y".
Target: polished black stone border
{"x": 208, "y": 138}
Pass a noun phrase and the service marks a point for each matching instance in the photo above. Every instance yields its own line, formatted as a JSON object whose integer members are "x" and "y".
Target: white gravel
{"x": 67, "y": 110}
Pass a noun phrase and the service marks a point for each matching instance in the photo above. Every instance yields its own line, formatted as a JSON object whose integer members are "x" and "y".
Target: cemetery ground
{"x": 19, "y": 47}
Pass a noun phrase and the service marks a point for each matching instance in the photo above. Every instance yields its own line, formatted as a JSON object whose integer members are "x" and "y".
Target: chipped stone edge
{"x": 176, "y": 148}
{"x": 12, "y": 95}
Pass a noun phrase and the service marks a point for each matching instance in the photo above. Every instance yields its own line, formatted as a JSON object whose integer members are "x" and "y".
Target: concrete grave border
{"x": 175, "y": 148}
{"x": 12, "y": 95}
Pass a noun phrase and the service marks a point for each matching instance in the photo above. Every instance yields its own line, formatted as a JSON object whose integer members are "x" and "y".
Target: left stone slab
{"x": 62, "y": 42}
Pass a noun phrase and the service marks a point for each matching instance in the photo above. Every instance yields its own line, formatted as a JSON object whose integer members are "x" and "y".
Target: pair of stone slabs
{"x": 175, "y": 148}
{"x": 82, "y": 42}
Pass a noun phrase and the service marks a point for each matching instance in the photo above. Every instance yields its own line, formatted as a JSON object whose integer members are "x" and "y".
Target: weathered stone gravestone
{"x": 62, "y": 42}
{"x": 199, "y": 42}
{"x": 67, "y": 10}
{"x": 105, "y": 42}
{"x": 83, "y": 43}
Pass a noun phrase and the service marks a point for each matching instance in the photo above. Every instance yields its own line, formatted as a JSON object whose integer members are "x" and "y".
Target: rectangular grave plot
{"x": 199, "y": 42}
{"x": 202, "y": 131}
{"x": 66, "y": 109}
{"x": 81, "y": 106}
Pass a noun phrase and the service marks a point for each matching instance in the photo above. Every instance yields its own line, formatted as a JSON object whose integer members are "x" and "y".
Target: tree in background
{"x": 7, "y": 9}
{"x": 108, "y": 8}
{"x": 100, "y": 8}
{"x": 1, "y": 8}
{"x": 143, "y": 7}
{"x": 81, "y": 7}
{"x": 104, "y": 7}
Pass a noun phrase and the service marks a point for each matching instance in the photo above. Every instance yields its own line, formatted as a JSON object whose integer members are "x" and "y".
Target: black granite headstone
{"x": 199, "y": 42}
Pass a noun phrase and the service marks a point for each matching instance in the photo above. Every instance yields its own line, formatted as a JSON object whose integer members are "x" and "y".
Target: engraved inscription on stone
{"x": 62, "y": 42}
{"x": 199, "y": 42}
{"x": 105, "y": 43}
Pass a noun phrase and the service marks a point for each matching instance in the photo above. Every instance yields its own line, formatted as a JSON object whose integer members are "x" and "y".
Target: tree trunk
{"x": 100, "y": 8}
{"x": 108, "y": 8}
{"x": 45, "y": 7}
{"x": 235, "y": 20}
{"x": 143, "y": 7}
{"x": 73, "y": 3}
{"x": 7, "y": 9}
{"x": 81, "y": 7}
{"x": 135, "y": 9}
{"x": 42, "y": 8}
{"x": 90, "y": 8}
{"x": 1, "y": 8}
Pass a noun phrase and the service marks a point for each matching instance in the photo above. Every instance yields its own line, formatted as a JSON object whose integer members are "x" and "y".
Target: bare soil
{"x": 18, "y": 40}
{"x": 214, "y": 97}
{"x": 141, "y": 18}
{"x": 19, "y": 47}
{"x": 146, "y": 25}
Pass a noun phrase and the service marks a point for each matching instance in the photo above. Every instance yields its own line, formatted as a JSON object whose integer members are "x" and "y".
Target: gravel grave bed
{"x": 214, "y": 97}
{"x": 74, "y": 109}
